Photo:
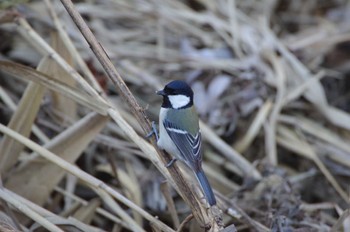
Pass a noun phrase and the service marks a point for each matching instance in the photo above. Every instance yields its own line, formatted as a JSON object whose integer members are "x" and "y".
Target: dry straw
{"x": 277, "y": 97}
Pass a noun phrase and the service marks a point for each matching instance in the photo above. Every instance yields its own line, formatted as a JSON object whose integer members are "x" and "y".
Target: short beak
{"x": 160, "y": 92}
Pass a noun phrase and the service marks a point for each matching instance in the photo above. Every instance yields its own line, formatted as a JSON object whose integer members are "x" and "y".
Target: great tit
{"x": 179, "y": 132}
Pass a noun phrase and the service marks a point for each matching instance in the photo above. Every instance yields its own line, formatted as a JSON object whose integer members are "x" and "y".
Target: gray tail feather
{"x": 208, "y": 192}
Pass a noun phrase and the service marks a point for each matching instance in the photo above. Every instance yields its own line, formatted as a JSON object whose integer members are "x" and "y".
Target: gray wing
{"x": 188, "y": 145}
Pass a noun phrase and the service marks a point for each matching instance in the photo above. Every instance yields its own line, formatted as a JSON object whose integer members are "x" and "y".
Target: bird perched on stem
{"x": 179, "y": 132}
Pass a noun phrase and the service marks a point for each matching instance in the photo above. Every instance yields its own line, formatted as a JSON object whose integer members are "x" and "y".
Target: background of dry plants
{"x": 271, "y": 82}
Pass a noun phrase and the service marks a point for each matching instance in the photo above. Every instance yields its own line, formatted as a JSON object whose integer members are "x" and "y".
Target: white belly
{"x": 165, "y": 141}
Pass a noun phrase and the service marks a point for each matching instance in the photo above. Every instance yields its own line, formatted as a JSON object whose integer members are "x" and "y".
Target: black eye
{"x": 170, "y": 91}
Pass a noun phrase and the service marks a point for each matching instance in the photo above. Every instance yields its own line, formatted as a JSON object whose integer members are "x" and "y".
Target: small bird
{"x": 179, "y": 132}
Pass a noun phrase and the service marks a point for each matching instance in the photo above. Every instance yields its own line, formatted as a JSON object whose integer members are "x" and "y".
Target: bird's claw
{"x": 153, "y": 131}
{"x": 172, "y": 161}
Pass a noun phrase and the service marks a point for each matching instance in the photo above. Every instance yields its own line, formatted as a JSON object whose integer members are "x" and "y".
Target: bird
{"x": 179, "y": 132}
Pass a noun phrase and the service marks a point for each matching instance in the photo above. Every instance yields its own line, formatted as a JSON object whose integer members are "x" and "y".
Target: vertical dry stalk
{"x": 198, "y": 210}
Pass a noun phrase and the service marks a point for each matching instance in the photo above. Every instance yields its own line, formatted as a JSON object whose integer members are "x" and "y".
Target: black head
{"x": 177, "y": 95}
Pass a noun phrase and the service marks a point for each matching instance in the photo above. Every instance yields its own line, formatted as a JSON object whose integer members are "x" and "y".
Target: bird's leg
{"x": 153, "y": 131}
{"x": 172, "y": 161}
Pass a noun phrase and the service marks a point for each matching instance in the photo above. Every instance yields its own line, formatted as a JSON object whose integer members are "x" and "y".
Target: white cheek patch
{"x": 178, "y": 101}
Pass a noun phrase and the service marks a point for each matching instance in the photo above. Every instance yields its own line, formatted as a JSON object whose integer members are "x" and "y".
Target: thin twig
{"x": 184, "y": 222}
{"x": 171, "y": 205}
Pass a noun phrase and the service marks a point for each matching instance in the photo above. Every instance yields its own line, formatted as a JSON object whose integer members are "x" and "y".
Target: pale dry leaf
{"x": 11, "y": 104}
{"x": 218, "y": 86}
{"x": 37, "y": 179}
{"x": 71, "y": 224}
{"x": 136, "y": 189}
{"x": 316, "y": 94}
{"x": 22, "y": 121}
{"x": 322, "y": 133}
{"x": 253, "y": 130}
{"x": 87, "y": 212}
{"x": 200, "y": 97}
{"x": 131, "y": 188}
{"x": 206, "y": 99}
{"x": 334, "y": 153}
{"x": 243, "y": 164}
{"x": 116, "y": 208}
{"x": 66, "y": 107}
{"x": 6, "y": 223}
{"x": 11, "y": 199}
{"x": 290, "y": 140}
{"x": 188, "y": 51}
{"x": 26, "y": 73}
{"x": 21, "y": 51}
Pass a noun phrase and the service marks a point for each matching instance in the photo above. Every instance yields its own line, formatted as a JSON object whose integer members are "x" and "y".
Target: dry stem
{"x": 198, "y": 210}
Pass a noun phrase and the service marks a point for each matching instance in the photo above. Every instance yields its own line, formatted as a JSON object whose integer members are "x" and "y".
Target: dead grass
{"x": 270, "y": 79}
